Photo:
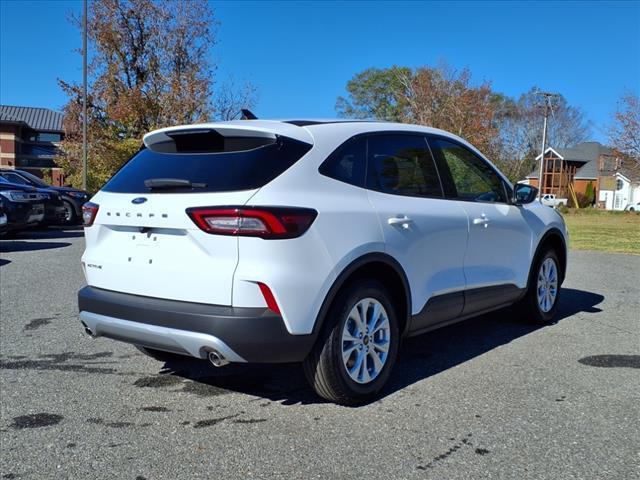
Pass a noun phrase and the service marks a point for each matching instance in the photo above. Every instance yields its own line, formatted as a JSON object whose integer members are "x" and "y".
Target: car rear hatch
{"x": 143, "y": 242}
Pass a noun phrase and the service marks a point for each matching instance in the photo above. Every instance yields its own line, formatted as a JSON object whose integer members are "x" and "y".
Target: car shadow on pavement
{"x": 50, "y": 233}
{"x": 420, "y": 357}
{"x": 22, "y": 246}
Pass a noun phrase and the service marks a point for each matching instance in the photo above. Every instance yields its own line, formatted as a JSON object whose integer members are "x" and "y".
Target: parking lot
{"x": 487, "y": 398}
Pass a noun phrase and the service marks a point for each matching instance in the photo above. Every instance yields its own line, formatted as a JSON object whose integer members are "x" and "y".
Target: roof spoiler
{"x": 162, "y": 140}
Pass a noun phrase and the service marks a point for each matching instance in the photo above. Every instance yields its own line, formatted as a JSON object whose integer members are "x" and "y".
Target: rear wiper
{"x": 168, "y": 183}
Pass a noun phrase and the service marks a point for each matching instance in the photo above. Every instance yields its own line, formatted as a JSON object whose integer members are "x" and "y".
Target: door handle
{"x": 483, "y": 220}
{"x": 401, "y": 220}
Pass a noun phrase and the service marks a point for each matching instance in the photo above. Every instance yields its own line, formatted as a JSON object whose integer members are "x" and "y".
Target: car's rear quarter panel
{"x": 300, "y": 271}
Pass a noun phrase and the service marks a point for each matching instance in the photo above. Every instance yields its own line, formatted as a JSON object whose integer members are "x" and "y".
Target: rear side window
{"x": 209, "y": 172}
{"x": 347, "y": 163}
{"x": 465, "y": 175}
{"x": 401, "y": 165}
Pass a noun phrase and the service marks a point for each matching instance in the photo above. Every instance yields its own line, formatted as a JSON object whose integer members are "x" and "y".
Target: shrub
{"x": 590, "y": 193}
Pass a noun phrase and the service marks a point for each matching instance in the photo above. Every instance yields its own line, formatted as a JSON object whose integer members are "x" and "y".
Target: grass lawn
{"x": 616, "y": 232}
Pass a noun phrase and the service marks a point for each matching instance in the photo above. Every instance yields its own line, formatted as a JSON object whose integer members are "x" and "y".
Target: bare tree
{"x": 520, "y": 125}
{"x": 624, "y": 133}
{"x": 231, "y": 98}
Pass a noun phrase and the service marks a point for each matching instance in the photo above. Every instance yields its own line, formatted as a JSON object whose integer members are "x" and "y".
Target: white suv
{"x": 317, "y": 242}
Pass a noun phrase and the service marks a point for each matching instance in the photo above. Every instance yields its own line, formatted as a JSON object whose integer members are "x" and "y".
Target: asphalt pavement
{"x": 489, "y": 398}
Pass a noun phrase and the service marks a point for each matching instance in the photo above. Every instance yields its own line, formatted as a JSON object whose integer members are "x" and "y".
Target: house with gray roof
{"x": 29, "y": 139}
{"x": 583, "y": 164}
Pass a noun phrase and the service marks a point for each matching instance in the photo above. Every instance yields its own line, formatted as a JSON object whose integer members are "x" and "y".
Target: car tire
{"x": 70, "y": 213}
{"x": 540, "y": 303}
{"x": 160, "y": 355}
{"x": 342, "y": 367}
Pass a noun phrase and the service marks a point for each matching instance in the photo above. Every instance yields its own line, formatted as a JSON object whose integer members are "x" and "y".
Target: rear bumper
{"x": 255, "y": 335}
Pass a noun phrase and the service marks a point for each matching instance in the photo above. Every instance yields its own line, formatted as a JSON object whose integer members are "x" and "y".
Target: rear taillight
{"x": 89, "y": 212}
{"x": 263, "y": 222}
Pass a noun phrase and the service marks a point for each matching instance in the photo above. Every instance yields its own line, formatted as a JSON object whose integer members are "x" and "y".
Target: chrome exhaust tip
{"x": 217, "y": 359}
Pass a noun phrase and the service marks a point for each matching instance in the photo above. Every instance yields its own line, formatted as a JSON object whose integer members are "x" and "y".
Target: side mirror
{"x": 523, "y": 194}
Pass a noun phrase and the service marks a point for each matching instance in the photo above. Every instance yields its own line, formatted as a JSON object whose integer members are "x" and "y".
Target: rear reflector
{"x": 269, "y": 298}
{"x": 89, "y": 212}
{"x": 263, "y": 222}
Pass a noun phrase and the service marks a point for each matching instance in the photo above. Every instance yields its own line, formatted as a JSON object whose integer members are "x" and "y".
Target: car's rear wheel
{"x": 353, "y": 359}
{"x": 540, "y": 303}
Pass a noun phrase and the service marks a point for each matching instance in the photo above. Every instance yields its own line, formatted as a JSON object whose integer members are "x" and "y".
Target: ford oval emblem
{"x": 139, "y": 200}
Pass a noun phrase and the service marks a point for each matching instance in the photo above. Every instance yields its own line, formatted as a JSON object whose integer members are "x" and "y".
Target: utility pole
{"x": 84, "y": 95}
{"x": 547, "y": 103}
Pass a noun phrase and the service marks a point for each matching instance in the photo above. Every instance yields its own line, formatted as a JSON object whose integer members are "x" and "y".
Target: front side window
{"x": 465, "y": 176}
{"x": 347, "y": 163}
{"x": 401, "y": 165}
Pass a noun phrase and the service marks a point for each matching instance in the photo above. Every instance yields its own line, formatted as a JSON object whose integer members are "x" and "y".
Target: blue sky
{"x": 301, "y": 54}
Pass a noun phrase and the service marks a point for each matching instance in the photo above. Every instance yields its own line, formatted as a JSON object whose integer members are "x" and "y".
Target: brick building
{"x": 29, "y": 139}
{"x": 615, "y": 186}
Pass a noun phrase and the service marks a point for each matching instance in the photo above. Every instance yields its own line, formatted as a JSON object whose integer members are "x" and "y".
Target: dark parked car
{"x": 54, "y": 210}
{"x": 23, "y": 205}
{"x": 4, "y": 225}
{"x": 72, "y": 198}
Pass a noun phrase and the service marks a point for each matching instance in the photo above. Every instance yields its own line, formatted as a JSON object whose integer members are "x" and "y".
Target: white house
{"x": 621, "y": 193}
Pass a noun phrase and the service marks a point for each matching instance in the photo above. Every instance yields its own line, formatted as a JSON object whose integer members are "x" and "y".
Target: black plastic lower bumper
{"x": 256, "y": 334}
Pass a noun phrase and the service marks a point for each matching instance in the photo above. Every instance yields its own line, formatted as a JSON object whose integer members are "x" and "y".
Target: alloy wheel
{"x": 366, "y": 339}
{"x": 547, "y": 290}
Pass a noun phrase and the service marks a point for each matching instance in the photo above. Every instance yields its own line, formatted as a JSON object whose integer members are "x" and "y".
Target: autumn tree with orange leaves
{"x": 445, "y": 98}
{"x": 150, "y": 67}
{"x": 505, "y": 129}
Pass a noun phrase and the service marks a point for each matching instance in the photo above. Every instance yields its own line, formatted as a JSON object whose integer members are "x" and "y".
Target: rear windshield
{"x": 208, "y": 172}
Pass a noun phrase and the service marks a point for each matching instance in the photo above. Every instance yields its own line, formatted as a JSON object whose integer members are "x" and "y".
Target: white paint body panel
{"x": 499, "y": 246}
{"x": 175, "y": 260}
{"x": 430, "y": 246}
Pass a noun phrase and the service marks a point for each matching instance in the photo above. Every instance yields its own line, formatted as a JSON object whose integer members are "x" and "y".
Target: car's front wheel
{"x": 540, "y": 303}
{"x": 352, "y": 361}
